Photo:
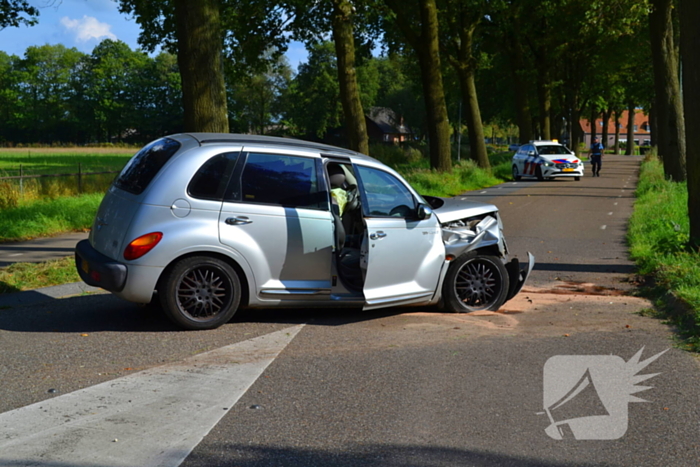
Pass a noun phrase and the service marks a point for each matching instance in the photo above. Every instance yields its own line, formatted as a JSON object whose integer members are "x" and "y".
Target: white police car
{"x": 545, "y": 160}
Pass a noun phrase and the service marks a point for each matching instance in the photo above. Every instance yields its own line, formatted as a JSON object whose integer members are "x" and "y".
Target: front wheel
{"x": 200, "y": 292}
{"x": 578, "y": 179}
{"x": 538, "y": 173}
{"x": 475, "y": 282}
{"x": 516, "y": 175}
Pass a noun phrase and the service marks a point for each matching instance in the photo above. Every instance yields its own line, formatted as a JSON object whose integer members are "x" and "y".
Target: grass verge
{"x": 48, "y": 217}
{"x": 658, "y": 236}
{"x": 27, "y": 276}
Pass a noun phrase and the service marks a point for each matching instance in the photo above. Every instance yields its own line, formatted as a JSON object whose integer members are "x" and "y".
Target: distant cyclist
{"x": 596, "y": 156}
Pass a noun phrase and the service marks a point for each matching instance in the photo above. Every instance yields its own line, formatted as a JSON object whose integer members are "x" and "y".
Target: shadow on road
{"x": 373, "y": 454}
{"x": 599, "y": 268}
{"x": 104, "y": 312}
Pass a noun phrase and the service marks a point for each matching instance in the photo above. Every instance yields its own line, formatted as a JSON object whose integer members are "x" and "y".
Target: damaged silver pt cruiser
{"x": 205, "y": 223}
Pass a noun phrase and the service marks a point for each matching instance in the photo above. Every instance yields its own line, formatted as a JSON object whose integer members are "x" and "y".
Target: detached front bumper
{"x": 98, "y": 270}
{"x": 518, "y": 276}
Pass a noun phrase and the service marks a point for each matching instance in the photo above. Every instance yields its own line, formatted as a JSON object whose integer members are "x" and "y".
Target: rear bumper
{"x": 99, "y": 270}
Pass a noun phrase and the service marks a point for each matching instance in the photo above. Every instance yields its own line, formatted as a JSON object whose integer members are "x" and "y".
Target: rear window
{"x": 145, "y": 164}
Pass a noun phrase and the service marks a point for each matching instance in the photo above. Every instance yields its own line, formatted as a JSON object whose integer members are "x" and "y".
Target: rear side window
{"x": 281, "y": 180}
{"x": 145, "y": 164}
{"x": 210, "y": 180}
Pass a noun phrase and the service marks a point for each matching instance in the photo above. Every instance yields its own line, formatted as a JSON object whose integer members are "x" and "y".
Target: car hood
{"x": 458, "y": 207}
{"x": 561, "y": 158}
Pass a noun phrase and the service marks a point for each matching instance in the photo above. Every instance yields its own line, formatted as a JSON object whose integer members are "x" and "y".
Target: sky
{"x": 83, "y": 24}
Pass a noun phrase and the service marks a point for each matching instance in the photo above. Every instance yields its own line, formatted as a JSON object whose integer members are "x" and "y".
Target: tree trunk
{"x": 199, "y": 41}
{"x": 477, "y": 143}
{"x": 592, "y": 122}
{"x": 671, "y": 141}
{"x": 604, "y": 132}
{"x": 464, "y": 64}
{"x": 519, "y": 72}
{"x": 426, "y": 45}
{"x": 355, "y": 124}
{"x": 576, "y": 131}
{"x": 690, "y": 44}
{"x": 630, "y": 129}
{"x": 617, "y": 132}
{"x": 544, "y": 92}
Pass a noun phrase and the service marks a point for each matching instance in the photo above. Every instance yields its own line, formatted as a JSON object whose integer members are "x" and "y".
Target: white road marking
{"x": 610, "y": 214}
{"x": 482, "y": 192}
{"x": 16, "y": 254}
{"x": 614, "y": 204}
{"x": 155, "y": 417}
{"x": 603, "y": 227}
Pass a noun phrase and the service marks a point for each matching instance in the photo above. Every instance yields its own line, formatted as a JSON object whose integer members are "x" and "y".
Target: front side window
{"x": 288, "y": 181}
{"x": 386, "y": 195}
{"x": 145, "y": 164}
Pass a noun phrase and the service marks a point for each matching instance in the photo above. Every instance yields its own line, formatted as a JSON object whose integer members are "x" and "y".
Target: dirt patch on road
{"x": 562, "y": 309}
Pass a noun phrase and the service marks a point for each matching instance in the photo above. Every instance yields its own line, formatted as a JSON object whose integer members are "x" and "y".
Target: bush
{"x": 658, "y": 235}
{"x": 396, "y": 156}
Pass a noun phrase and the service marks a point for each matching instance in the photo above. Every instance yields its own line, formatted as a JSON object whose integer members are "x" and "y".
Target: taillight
{"x": 142, "y": 245}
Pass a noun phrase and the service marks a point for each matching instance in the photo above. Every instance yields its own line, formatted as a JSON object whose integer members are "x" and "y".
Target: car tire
{"x": 516, "y": 177}
{"x": 538, "y": 172}
{"x": 475, "y": 282}
{"x": 578, "y": 179}
{"x": 200, "y": 292}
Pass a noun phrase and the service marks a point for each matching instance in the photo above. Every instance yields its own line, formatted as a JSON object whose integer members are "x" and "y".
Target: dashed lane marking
{"x": 155, "y": 417}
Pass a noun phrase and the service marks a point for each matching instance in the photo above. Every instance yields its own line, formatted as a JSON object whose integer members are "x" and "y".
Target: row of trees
{"x": 59, "y": 95}
{"x": 53, "y": 95}
{"x": 557, "y": 60}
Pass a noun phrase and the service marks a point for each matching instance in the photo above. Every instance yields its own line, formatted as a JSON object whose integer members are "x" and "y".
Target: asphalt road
{"x": 396, "y": 387}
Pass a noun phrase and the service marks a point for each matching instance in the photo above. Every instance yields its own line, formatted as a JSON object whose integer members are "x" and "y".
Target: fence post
{"x": 80, "y": 180}
{"x": 21, "y": 182}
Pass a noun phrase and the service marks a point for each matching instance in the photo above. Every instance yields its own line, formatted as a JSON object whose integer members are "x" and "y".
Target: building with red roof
{"x": 642, "y": 129}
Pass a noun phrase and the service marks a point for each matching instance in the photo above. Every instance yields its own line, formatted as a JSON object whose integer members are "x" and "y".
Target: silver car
{"x": 205, "y": 223}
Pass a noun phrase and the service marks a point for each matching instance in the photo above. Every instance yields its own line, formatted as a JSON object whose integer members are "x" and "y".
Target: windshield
{"x": 552, "y": 149}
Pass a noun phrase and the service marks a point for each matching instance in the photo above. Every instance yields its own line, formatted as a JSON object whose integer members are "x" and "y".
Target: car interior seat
{"x": 345, "y": 204}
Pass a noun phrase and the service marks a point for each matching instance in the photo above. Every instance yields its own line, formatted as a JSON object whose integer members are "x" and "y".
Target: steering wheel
{"x": 401, "y": 211}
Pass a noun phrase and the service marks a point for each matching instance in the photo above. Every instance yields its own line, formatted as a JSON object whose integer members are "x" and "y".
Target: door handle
{"x": 377, "y": 235}
{"x": 238, "y": 220}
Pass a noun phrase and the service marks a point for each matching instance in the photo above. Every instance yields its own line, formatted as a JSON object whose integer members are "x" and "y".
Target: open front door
{"x": 403, "y": 261}
{"x": 402, "y": 254}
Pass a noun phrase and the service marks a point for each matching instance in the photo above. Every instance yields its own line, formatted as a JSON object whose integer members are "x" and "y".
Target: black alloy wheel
{"x": 476, "y": 282}
{"x": 201, "y": 292}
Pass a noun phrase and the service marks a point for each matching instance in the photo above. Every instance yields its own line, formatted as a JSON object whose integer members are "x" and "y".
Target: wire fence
{"x": 80, "y": 177}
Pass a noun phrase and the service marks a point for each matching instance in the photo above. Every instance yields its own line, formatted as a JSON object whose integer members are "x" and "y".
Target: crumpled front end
{"x": 485, "y": 231}
{"x": 464, "y": 235}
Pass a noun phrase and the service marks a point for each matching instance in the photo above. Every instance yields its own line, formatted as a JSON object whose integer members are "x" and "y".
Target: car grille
{"x": 566, "y": 166}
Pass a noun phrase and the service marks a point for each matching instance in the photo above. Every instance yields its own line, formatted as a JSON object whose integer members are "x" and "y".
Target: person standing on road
{"x": 596, "y": 156}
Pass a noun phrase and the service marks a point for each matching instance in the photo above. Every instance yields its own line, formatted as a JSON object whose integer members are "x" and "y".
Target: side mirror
{"x": 423, "y": 211}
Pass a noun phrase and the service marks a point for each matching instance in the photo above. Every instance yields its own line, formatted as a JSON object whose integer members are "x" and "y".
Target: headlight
{"x": 548, "y": 164}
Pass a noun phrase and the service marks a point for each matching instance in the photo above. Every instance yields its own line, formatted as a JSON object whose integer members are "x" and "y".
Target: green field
{"x": 61, "y": 160}
{"x": 16, "y": 193}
